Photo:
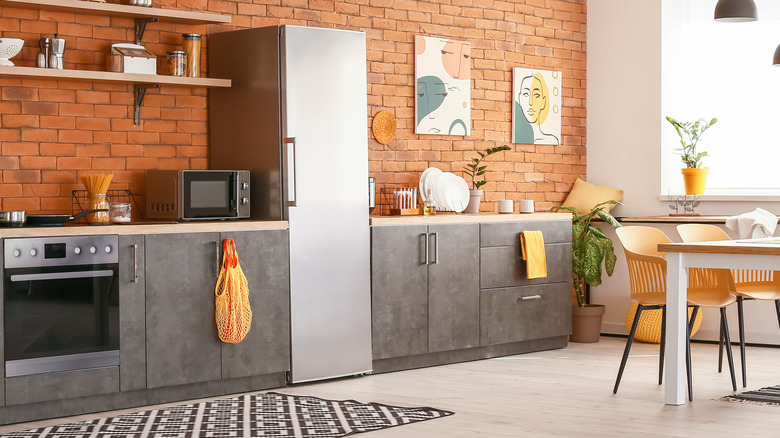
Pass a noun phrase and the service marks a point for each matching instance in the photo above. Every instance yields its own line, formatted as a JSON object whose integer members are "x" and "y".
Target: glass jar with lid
{"x": 119, "y": 212}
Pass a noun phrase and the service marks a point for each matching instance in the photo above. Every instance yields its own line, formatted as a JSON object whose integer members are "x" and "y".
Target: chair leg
{"x": 663, "y": 345}
{"x": 720, "y": 347}
{"x": 777, "y": 309}
{"x": 628, "y": 347}
{"x": 742, "y": 340}
{"x": 688, "y": 352}
{"x": 727, "y": 337}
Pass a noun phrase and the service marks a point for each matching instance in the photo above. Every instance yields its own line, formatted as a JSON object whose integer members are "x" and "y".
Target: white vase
{"x": 474, "y": 197}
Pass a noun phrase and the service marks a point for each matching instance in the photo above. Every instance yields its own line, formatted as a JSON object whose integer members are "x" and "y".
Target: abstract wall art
{"x": 442, "y": 71}
{"x": 536, "y": 106}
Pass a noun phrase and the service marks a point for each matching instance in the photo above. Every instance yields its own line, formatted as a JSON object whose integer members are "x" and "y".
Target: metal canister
{"x": 191, "y": 45}
{"x": 177, "y": 63}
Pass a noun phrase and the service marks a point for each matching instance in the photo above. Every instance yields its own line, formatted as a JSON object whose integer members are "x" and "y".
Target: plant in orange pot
{"x": 694, "y": 176}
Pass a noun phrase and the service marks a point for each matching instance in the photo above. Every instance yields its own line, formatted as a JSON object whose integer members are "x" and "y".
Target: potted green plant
{"x": 694, "y": 175}
{"x": 475, "y": 170}
{"x": 591, "y": 249}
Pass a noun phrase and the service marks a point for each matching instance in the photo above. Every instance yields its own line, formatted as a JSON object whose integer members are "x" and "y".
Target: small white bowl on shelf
{"x": 9, "y": 47}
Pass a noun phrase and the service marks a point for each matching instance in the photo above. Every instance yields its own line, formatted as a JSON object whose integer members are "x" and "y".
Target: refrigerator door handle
{"x": 289, "y": 154}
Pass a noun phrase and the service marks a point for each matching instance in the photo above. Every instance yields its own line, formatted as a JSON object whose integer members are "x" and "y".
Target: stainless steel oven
{"x": 61, "y": 303}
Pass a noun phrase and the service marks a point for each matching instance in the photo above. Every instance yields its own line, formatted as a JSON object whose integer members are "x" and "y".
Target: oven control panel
{"x": 33, "y": 252}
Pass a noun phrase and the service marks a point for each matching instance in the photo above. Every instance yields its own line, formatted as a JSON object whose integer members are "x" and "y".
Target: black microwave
{"x": 197, "y": 194}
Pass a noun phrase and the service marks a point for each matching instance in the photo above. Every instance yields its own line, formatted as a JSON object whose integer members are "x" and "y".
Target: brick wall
{"x": 51, "y": 130}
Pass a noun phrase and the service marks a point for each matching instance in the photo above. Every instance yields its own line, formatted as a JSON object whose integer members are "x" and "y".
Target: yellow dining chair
{"x": 647, "y": 277}
{"x": 750, "y": 284}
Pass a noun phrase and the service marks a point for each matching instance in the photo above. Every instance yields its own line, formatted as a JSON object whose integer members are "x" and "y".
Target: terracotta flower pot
{"x": 586, "y": 322}
{"x": 695, "y": 180}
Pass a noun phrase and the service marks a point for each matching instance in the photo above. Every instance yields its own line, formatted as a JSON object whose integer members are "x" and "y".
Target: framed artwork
{"x": 536, "y": 106}
{"x": 442, "y": 86}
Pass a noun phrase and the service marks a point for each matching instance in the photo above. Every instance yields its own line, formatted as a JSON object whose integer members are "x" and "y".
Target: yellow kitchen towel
{"x": 532, "y": 245}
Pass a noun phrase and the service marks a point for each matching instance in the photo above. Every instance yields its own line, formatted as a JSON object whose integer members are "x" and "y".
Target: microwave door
{"x": 209, "y": 195}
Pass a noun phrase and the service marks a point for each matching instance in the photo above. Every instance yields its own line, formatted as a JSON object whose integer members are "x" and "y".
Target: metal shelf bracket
{"x": 140, "y": 27}
{"x": 139, "y": 92}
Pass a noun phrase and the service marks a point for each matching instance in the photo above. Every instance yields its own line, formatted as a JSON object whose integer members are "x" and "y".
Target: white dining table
{"x": 727, "y": 254}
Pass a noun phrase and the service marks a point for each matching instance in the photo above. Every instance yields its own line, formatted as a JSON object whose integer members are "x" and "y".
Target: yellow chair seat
{"x": 759, "y": 291}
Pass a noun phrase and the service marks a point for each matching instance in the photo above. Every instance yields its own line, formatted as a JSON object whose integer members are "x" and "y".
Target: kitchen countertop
{"x": 452, "y": 218}
{"x": 144, "y": 228}
{"x": 703, "y": 219}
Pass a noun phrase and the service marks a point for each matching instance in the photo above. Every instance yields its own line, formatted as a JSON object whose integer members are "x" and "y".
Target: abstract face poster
{"x": 536, "y": 106}
{"x": 442, "y": 71}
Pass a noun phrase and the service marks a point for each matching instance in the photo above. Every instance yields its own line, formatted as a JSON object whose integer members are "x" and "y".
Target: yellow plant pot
{"x": 695, "y": 180}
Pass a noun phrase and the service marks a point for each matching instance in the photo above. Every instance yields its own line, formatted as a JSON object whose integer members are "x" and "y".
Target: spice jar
{"x": 177, "y": 62}
{"x": 119, "y": 212}
{"x": 191, "y": 45}
{"x": 97, "y": 201}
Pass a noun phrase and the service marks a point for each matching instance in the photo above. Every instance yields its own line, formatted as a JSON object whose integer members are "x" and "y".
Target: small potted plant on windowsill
{"x": 591, "y": 249}
{"x": 694, "y": 176}
{"x": 474, "y": 170}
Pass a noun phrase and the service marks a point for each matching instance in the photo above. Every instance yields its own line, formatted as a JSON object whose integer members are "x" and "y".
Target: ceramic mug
{"x": 526, "y": 205}
{"x": 506, "y": 206}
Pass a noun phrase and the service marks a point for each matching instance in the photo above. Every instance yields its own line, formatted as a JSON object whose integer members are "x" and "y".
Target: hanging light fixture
{"x": 776, "y": 59}
{"x": 736, "y": 10}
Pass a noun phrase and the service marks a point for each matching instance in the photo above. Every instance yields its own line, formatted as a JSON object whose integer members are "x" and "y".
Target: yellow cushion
{"x": 584, "y": 196}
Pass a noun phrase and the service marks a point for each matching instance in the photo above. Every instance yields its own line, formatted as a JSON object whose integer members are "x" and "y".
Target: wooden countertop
{"x": 703, "y": 219}
{"x": 768, "y": 246}
{"x": 452, "y": 218}
{"x": 144, "y": 228}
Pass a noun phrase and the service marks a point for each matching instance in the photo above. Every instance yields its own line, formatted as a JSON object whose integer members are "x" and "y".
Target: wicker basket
{"x": 649, "y": 327}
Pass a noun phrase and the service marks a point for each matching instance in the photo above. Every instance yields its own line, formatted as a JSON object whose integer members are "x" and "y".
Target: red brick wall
{"x": 51, "y": 130}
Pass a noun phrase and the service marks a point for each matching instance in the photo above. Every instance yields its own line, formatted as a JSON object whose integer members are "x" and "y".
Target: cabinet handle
{"x": 436, "y": 248}
{"x": 530, "y": 297}
{"x": 426, "y": 248}
{"x": 216, "y": 258}
{"x": 135, "y": 264}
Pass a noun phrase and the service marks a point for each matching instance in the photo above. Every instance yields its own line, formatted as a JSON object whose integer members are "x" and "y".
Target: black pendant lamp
{"x": 736, "y": 10}
{"x": 776, "y": 59}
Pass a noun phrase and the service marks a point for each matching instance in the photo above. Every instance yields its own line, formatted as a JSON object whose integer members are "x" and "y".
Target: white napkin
{"x": 756, "y": 224}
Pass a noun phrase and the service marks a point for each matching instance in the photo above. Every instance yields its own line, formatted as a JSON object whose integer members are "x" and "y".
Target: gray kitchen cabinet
{"x": 132, "y": 313}
{"x": 264, "y": 257}
{"x": 182, "y": 345}
{"x": 2, "y": 334}
{"x": 424, "y": 302}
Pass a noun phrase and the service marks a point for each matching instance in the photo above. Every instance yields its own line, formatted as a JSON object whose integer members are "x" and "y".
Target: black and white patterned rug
{"x": 267, "y": 414}
{"x": 764, "y": 396}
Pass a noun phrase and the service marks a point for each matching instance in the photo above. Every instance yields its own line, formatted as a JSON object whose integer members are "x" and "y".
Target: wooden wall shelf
{"x": 106, "y": 76}
{"x": 112, "y": 9}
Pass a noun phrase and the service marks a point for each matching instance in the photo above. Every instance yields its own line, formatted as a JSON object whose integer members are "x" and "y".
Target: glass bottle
{"x": 429, "y": 208}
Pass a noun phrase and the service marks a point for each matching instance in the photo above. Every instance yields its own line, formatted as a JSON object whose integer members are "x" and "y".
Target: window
{"x": 723, "y": 70}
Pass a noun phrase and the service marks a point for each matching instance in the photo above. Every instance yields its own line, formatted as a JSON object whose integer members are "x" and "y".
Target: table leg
{"x": 676, "y": 328}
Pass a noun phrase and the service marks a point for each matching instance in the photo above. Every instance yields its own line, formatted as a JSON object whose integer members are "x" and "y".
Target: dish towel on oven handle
{"x": 756, "y": 224}
{"x": 232, "y": 310}
{"x": 532, "y": 247}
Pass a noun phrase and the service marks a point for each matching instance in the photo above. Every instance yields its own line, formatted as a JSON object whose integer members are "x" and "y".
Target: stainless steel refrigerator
{"x": 296, "y": 117}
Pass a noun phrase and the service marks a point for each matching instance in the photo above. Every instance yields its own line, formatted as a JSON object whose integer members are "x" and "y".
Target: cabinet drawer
{"x": 58, "y": 386}
{"x": 508, "y": 233}
{"x": 524, "y": 313}
{"x": 503, "y": 266}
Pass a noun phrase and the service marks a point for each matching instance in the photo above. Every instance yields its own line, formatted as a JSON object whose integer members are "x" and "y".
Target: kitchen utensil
{"x": 13, "y": 218}
{"x": 56, "y": 220}
{"x": 43, "y": 57}
{"x": 9, "y": 47}
{"x": 57, "y": 52}
{"x": 451, "y": 193}
{"x": 428, "y": 181}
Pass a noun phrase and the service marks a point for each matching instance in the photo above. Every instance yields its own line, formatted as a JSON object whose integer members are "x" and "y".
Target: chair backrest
{"x": 646, "y": 266}
{"x": 701, "y": 233}
{"x": 712, "y": 233}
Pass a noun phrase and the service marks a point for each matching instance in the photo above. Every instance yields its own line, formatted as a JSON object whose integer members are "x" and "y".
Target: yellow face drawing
{"x": 538, "y": 100}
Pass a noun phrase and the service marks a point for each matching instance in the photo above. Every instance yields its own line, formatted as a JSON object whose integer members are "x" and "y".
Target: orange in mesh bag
{"x": 233, "y": 314}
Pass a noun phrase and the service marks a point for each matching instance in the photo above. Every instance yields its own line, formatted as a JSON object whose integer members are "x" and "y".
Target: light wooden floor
{"x": 564, "y": 393}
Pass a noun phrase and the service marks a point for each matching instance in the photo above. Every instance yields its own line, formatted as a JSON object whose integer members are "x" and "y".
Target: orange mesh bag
{"x": 233, "y": 313}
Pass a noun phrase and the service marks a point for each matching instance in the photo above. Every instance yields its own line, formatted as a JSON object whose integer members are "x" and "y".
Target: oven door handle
{"x": 62, "y": 275}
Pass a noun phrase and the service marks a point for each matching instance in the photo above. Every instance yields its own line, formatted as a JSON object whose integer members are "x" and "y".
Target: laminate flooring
{"x": 557, "y": 393}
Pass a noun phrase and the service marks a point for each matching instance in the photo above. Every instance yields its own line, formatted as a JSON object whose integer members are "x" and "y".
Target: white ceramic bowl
{"x": 9, "y": 47}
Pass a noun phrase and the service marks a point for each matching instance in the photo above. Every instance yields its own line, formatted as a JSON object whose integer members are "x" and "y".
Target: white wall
{"x": 623, "y": 145}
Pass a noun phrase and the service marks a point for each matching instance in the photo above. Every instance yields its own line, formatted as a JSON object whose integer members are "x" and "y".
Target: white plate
{"x": 457, "y": 193}
{"x": 428, "y": 181}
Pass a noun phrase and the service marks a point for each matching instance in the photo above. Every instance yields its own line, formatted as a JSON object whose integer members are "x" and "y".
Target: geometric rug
{"x": 266, "y": 414}
{"x": 764, "y": 396}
